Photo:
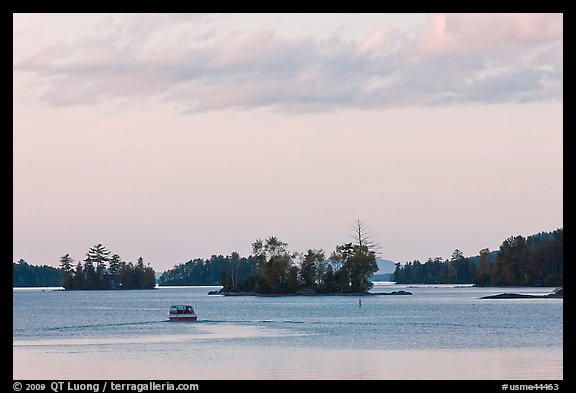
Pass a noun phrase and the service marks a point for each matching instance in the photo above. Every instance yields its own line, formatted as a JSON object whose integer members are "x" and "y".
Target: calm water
{"x": 437, "y": 333}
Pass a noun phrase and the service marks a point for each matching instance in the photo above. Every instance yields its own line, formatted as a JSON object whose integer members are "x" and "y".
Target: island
{"x": 98, "y": 271}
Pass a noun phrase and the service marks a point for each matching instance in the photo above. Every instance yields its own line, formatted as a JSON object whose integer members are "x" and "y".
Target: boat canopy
{"x": 181, "y": 309}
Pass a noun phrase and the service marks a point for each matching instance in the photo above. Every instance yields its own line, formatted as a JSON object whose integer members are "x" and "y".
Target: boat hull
{"x": 180, "y": 318}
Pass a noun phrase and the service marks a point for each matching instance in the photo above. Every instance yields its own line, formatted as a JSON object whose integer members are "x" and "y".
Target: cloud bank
{"x": 199, "y": 67}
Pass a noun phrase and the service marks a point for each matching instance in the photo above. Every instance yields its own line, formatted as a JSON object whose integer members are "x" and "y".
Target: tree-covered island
{"x": 273, "y": 269}
{"x": 99, "y": 270}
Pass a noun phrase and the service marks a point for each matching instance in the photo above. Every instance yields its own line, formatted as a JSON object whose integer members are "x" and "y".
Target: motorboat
{"x": 182, "y": 312}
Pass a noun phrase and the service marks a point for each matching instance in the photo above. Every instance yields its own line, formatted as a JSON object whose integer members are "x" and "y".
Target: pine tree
{"x": 97, "y": 278}
{"x": 66, "y": 263}
{"x": 114, "y": 270}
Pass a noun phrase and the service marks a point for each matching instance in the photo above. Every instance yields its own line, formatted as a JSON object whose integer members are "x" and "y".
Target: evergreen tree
{"x": 79, "y": 281}
{"x": 95, "y": 272}
{"x": 97, "y": 255}
{"x": 66, "y": 263}
{"x": 114, "y": 270}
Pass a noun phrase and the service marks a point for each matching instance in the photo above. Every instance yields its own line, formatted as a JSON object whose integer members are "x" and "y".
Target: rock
{"x": 401, "y": 293}
{"x": 556, "y": 294}
{"x": 393, "y": 293}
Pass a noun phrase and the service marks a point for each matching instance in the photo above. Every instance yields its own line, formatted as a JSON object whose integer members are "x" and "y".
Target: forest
{"x": 26, "y": 275}
{"x": 231, "y": 269}
{"x": 536, "y": 260}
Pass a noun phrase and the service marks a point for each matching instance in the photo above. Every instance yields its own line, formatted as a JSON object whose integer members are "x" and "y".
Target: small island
{"x": 100, "y": 272}
{"x": 273, "y": 270}
{"x": 346, "y": 271}
{"x": 557, "y": 294}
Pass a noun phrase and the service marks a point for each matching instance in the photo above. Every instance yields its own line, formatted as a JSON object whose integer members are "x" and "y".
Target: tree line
{"x": 99, "y": 270}
{"x": 26, "y": 275}
{"x": 533, "y": 261}
{"x": 536, "y": 260}
{"x": 232, "y": 269}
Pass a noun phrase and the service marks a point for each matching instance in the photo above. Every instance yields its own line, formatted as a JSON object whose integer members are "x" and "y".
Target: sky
{"x": 179, "y": 136}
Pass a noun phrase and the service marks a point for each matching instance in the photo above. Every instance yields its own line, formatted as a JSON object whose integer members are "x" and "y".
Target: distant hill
{"x": 385, "y": 270}
{"x": 385, "y": 266}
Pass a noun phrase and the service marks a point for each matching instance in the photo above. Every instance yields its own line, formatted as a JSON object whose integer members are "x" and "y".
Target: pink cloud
{"x": 506, "y": 29}
{"x": 485, "y": 33}
{"x": 434, "y": 37}
{"x": 377, "y": 41}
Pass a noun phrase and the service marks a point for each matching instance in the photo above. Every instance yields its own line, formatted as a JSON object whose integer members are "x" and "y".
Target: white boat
{"x": 182, "y": 312}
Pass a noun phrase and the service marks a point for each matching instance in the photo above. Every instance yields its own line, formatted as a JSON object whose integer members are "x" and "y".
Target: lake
{"x": 440, "y": 332}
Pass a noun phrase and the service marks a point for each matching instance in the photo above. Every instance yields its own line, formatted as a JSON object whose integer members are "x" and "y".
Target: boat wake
{"x": 99, "y": 325}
